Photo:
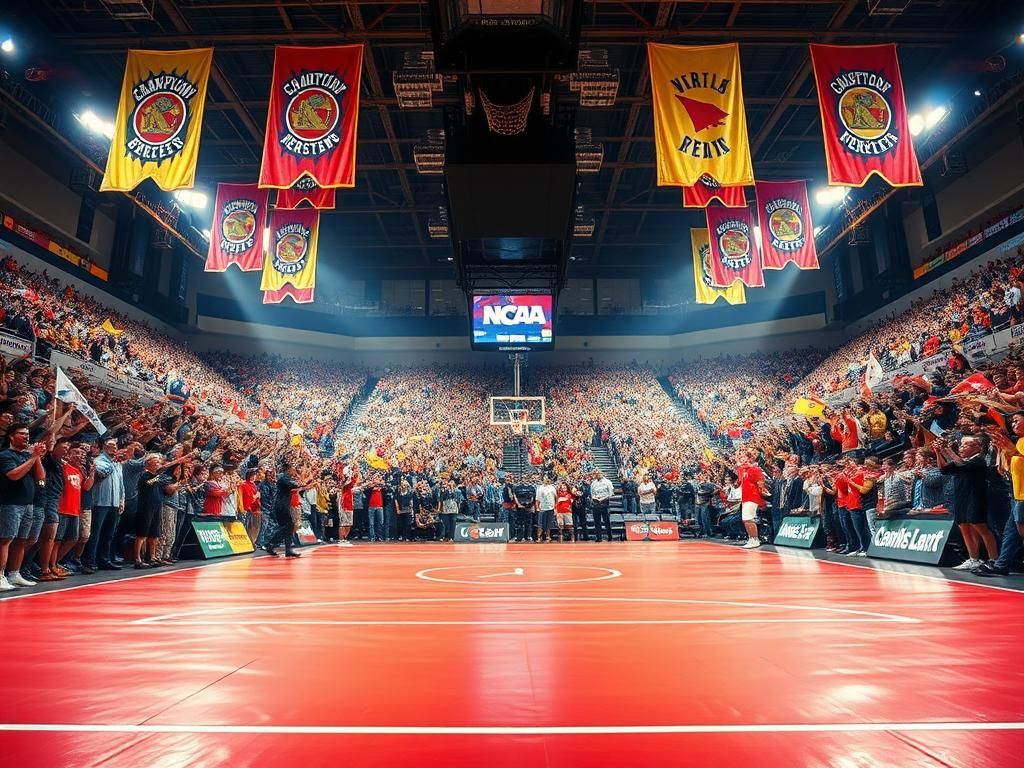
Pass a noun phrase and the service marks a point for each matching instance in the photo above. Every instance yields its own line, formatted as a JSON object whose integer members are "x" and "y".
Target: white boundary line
{"x": 523, "y": 623}
{"x": 610, "y": 573}
{"x": 485, "y": 730}
{"x": 864, "y": 615}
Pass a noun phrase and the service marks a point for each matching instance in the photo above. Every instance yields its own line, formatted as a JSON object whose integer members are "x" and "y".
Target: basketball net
{"x": 518, "y": 420}
{"x": 507, "y": 120}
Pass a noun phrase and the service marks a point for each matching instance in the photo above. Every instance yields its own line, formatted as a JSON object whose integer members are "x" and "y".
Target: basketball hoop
{"x": 518, "y": 418}
{"x": 507, "y": 120}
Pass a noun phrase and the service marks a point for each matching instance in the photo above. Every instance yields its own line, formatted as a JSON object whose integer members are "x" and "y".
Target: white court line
{"x": 609, "y": 573}
{"x": 487, "y": 730}
{"x": 514, "y": 623}
{"x": 219, "y": 610}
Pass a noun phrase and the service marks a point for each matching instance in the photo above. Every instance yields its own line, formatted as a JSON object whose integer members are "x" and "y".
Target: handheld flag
{"x": 290, "y": 265}
{"x": 976, "y": 382}
{"x": 807, "y": 407}
{"x": 237, "y": 230}
{"x": 159, "y": 119}
{"x": 312, "y": 117}
{"x": 68, "y": 393}
{"x": 706, "y": 291}
{"x": 734, "y": 252}
{"x": 863, "y": 115}
{"x": 109, "y": 328}
{"x": 700, "y": 125}
{"x": 787, "y": 232}
{"x": 873, "y": 373}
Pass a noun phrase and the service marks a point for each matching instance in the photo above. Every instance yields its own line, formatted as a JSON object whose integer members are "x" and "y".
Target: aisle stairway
{"x": 685, "y": 413}
{"x": 360, "y": 404}
{"x": 514, "y": 458}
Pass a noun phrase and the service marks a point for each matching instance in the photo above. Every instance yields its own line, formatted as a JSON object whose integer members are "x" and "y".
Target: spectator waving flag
{"x": 863, "y": 115}
{"x": 787, "y": 232}
{"x": 312, "y": 117}
{"x": 67, "y": 392}
{"x": 977, "y": 382}
{"x": 873, "y": 373}
{"x": 734, "y": 251}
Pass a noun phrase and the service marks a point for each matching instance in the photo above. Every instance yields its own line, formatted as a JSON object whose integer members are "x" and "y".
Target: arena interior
{"x": 512, "y": 383}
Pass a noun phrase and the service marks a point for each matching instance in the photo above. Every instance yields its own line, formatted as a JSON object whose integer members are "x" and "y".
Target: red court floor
{"x": 545, "y": 655}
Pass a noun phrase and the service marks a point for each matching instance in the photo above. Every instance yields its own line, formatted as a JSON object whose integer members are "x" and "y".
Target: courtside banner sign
{"x": 289, "y": 268}
{"x": 700, "y": 125}
{"x": 238, "y": 537}
{"x": 213, "y": 540}
{"x": 306, "y": 191}
{"x": 159, "y": 119}
{"x": 305, "y": 534}
{"x": 705, "y": 290}
{"x": 481, "y": 533}
{"x": 863, "y": 115}
{"x": 652, "y": 531}
{"x": 706, "y": 190}
{"x": 787, "y": 232}
{"x": 236, "y": 235}
{"x": 914, "y": 539}
{"x": 798, "y": 532}
{"x": 734, "y": 251}
{"x": 312, "y": 117}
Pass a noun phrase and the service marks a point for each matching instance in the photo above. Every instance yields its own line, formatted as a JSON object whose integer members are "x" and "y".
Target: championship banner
{"x": 707, "y": 189}
{"x": 707, "y": 292}
{"x": 289, "y": 268}
{"x": 787, "y": 232}
{"x": 159, "y": 119}
{"x": 734, "y": 252}
{"x": 312, "y": 117}
{"x": 700, "y": 126}
{"x": 863, "y": 115}
{"x": 305, "y": 190}
{"x": 236, "y": 235}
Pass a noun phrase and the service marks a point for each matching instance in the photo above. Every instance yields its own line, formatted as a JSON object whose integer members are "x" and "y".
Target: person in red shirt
{"x": 346, "y": 512}
{"x": 250, "y": 493}
{"x": 752, "y": 494}
{"x": 375, "y": 509}
{"x": 563, "y": 512}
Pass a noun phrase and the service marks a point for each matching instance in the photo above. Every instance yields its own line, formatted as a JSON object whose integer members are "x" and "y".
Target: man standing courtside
{"x": 752, "y": 493}
{"x": 601, "y": 490}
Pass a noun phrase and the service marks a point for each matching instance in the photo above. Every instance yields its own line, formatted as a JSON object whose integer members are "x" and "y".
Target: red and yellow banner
{"x": 305, "y": 190}
{"x": 159, "y": 119}
{"x": 863, "y": 115}
{"x": 706, "y": 291}
{"x": 700, "y": 126}
{"x": 706, "y": 190}
{"x": 787, "y": 231}
{"x": 734, "y": 252}
{"x": 236, "y": 235}
{"x": 290, "y": 265}
{"x": 312, "y": 118}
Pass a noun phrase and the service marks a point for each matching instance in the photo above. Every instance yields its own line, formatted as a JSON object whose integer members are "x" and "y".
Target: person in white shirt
{"x": 601, "y": 492}
{"x": 546, "y": 494}
{"x": 648, "y": 492}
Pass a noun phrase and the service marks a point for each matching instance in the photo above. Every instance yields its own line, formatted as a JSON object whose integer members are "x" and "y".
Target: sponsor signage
{"x": 238, "y": 538}
{"x": 798, "y": 532}
{"x": 305, "y": 534}
{"x": 104, "y": 377}
{"x": 916, "y": 540}
{"x": 482, "y": 533}
{"x": 213, "y": 539}
{"x": 652, "y": 531}
{"x": 16, "y": 347}
{"x": 958, "y": 249}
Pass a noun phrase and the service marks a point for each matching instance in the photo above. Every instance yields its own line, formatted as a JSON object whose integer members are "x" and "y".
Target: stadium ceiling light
{"x": 977, "y": 92}
{"x": 935, "y": 116}
{"x": 831, "y": 195}
{"x": 819, "y": 230}
{"x": 191, "y": 198}
{"x": 94, "y": 124}
{"x": 7, "y": 46}
{"x": 916, "y": 124}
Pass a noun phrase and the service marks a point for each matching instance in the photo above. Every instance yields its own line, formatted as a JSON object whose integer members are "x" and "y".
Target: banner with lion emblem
{"x": 289, "y": 268}
{"x": 863, "y": 115}
{"x": 787, "y": 231}
{"x": 312, "y": 117}
{"x": 236, "y": 235}
{"x": 734, "y": 249}
{"x": 159, "y": 119}
{"x": 706, "y": 291}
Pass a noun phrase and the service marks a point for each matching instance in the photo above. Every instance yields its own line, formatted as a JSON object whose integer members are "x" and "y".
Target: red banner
{"x": 863, "y": 115}
{"x": 236, "y": 235}
{"x": 305, "y": 190}
{"x": 312, "y": 117}
{"x": 787, "y": 232}
{"x": 707, "y": 189}
{"x": 652, "y": 531}
{"x": 734, "y": 251}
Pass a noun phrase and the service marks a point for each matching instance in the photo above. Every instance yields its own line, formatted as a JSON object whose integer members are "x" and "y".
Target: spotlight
{"x": 1020, "y": 38}
{"x": 916, "y": 124}
{"x": 831, "y": 195}
{"x": 977, "y": 92}
{"x": 7, "y": 46}
{"x": 934, "y": 117}
{"x": 819, "y": 230}
{"x": 191, "y": 198}
{"x": 94, "y": 124}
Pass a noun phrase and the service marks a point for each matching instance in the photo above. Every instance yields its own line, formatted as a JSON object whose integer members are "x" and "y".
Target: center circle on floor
{"x": 513, "y": 574}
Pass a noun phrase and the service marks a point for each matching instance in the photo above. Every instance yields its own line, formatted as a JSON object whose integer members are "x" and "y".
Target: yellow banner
{"x": 706, "y": 291}
{"x": 805, "y": 407}
{"x": 238, "y": 537}
{"x": 291, "y": 258}
{"x": 159, "y": 119}
{"x": 700, "y": 125}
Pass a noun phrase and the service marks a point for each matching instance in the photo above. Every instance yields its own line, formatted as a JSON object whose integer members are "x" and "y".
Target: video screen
{"x": 499, "y": 320}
